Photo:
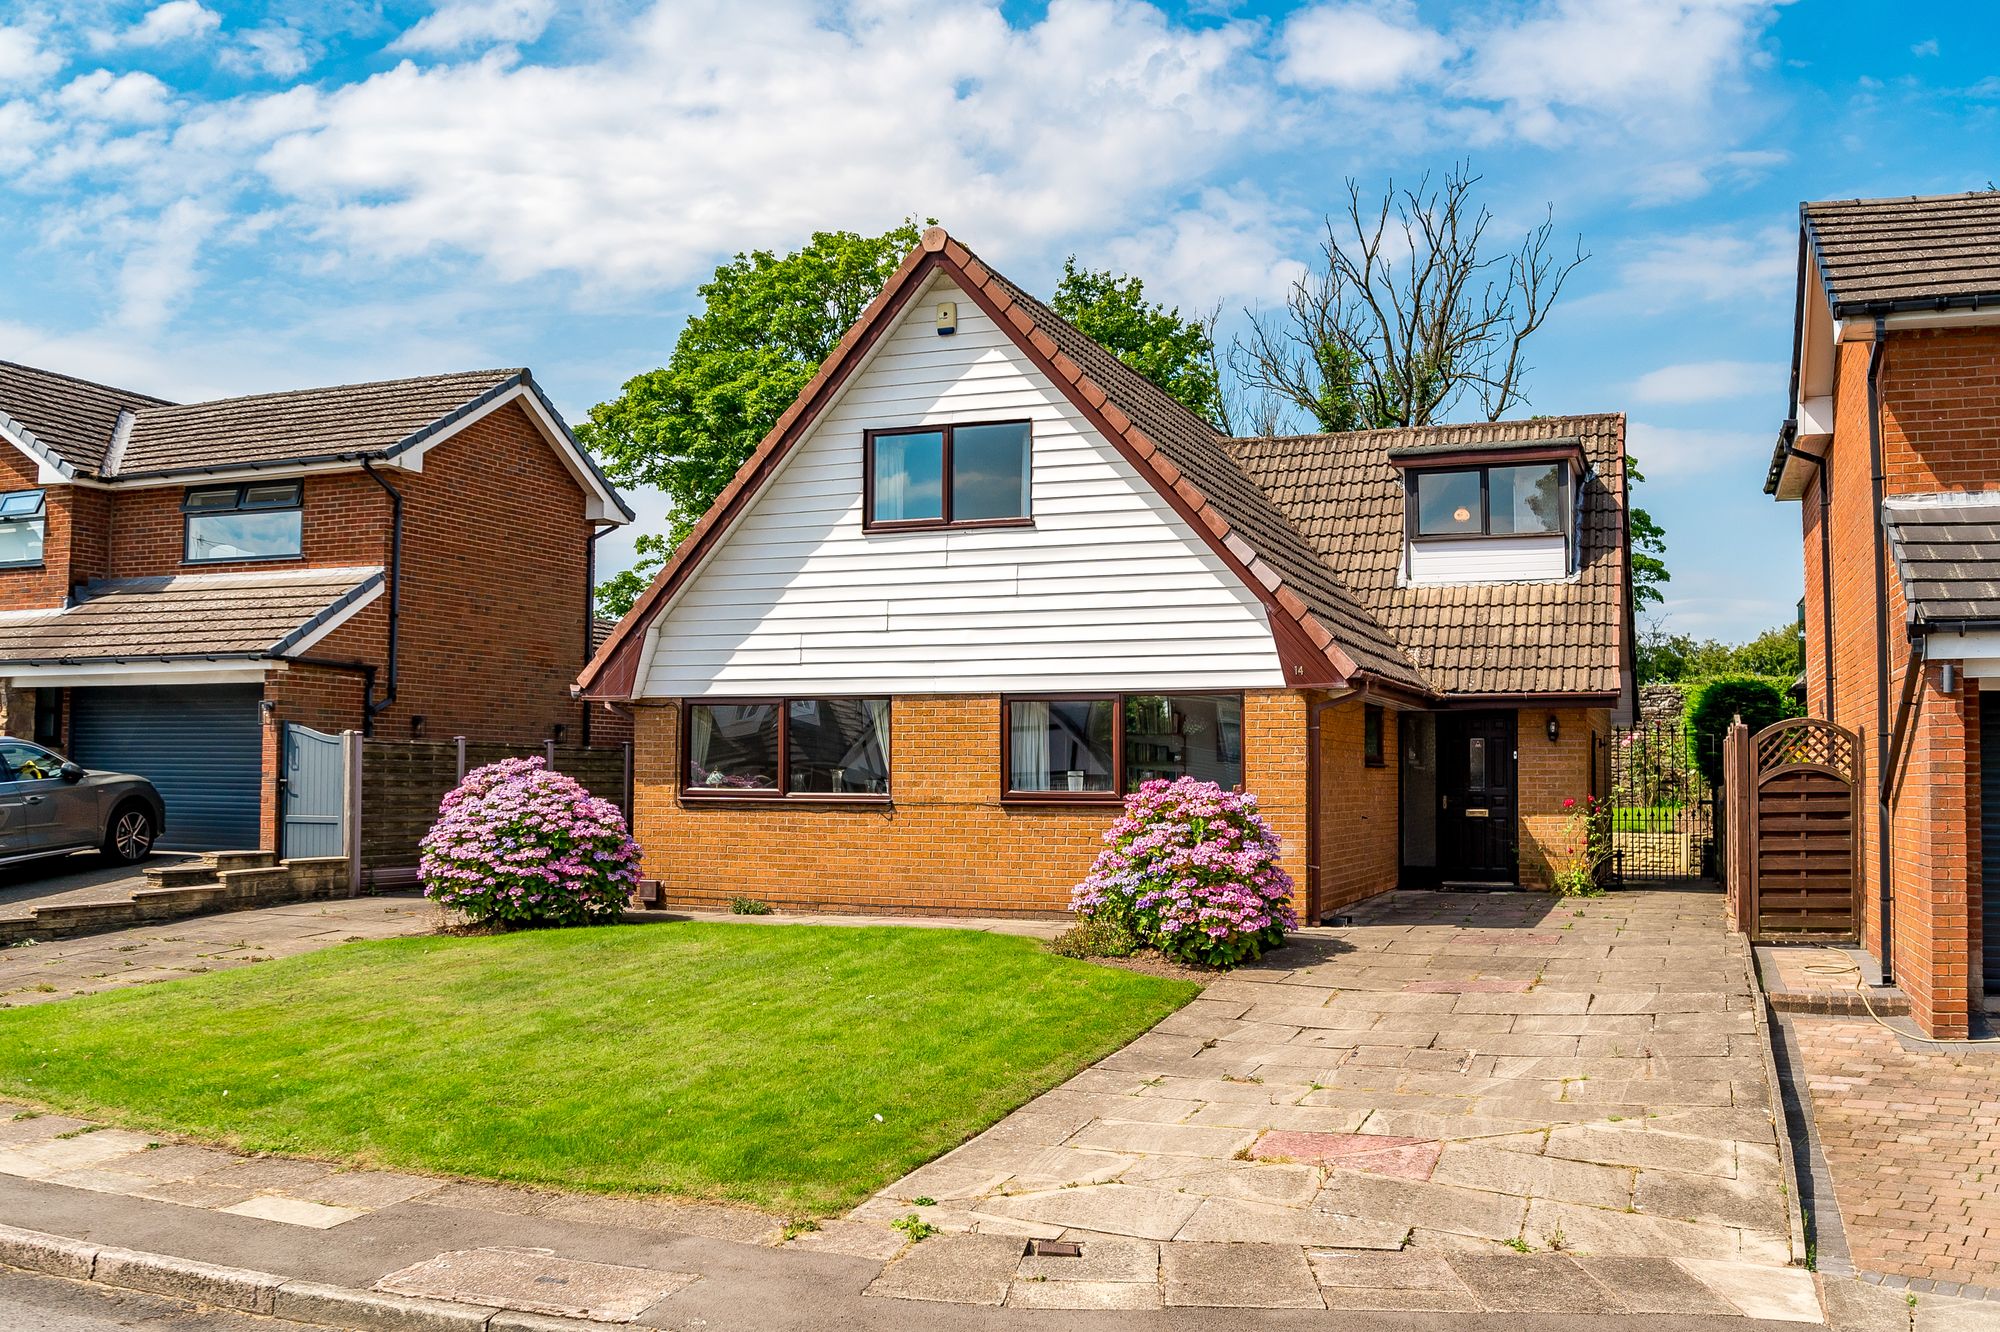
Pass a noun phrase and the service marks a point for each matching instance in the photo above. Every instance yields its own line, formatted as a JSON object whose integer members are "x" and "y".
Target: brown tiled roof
{"x": 1875, "y": 255}
{"x": 185, "y": 615}
{"x": 74, "y": 419}
{"x": 1342, "y": 493}
{"x": 1201, "y": 454}
{"x": 1947, "y": 551}
{"x": 304, "y": 423}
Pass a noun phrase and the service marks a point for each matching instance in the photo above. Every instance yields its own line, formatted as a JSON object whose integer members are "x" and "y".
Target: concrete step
{"x": 257, "y": 882}
{"x": 224, "y": 861}
{"x": 187, "y": 874}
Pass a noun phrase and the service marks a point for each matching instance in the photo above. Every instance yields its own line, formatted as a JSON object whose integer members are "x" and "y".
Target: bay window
{"x": 1099, "y": 747}
{"x": 833, "y": 748}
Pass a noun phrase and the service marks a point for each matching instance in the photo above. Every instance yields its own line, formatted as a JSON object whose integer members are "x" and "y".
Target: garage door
{"x": 201, "y": 745}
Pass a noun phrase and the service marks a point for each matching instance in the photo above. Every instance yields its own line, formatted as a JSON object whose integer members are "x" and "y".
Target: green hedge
{"x": 1714, "y": 703}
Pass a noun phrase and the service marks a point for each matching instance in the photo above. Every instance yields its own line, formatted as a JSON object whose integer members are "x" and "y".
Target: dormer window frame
{"x": 1418, "y": 463}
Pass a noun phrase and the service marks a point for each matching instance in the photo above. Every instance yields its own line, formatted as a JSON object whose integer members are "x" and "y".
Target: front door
{"x": 1476, "y": 836}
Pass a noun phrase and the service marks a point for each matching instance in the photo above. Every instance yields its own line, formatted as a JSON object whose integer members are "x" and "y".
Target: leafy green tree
{"x": 1177, "y": 354}
{"x": 1649, "y": 547}
{"x": 766, "y": 323}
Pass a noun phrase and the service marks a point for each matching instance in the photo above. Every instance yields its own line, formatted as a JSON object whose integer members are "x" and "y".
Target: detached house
{"x": 983, "y": 579}
{"x": 1891, "y": 448}
{"x": 408, "y": 558}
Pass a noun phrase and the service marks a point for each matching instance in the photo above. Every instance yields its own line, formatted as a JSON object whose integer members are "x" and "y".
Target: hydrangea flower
{"x": 1191, "y": 869}
{"x": 520, "y": 843}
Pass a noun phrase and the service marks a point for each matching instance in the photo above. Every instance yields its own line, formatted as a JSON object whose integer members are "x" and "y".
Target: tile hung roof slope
{"x": 1947, "y": 552}
{"x": 1880, "y": 254}
{"x": 74, "y": 418}
{"x": 1202, "y": 453}
{"x": 301, "y": 423}
{"x": 183, "y": 615}
{"x": 1343, "y": 494}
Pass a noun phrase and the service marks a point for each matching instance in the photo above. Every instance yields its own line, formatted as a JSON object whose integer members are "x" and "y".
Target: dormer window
{"x": 947, "y": 476}
{"x": 1487, "y": 513}
{"x": 1514, "y": 500}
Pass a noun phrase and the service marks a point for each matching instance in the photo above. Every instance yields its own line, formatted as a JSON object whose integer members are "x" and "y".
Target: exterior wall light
{"x": 1555, "y": 729}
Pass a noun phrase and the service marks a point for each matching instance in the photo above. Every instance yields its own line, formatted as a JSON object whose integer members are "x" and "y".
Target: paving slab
{"x": 1031, "y": 1294}
{"x": 1781, "y": 1294}
{"x": 1534, "y": 1283}
{"x": 1238, "y": 1276}
{"x": 537, "y": 1281}
{"x": 956, "y": 1269}
{"x": 1401, "y": 1282}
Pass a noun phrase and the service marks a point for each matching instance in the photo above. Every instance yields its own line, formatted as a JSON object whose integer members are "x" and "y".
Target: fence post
{"x": 350, "y": 819}
{"x": 460, "y": 741}
{"x": 549, "y": 754}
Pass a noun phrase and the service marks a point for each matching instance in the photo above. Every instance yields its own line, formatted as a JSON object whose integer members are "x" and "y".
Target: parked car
{"x": 51, "y": 807}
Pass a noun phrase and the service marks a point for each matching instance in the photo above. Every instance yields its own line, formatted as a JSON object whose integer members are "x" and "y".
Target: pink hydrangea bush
{"x": 1192, "y": 870}
{"x": 521, "y": 844}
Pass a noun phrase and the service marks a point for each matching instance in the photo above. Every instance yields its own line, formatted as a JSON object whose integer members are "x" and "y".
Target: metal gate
{"x": 1663, "y": 801}
{"x": 315, "y": 794}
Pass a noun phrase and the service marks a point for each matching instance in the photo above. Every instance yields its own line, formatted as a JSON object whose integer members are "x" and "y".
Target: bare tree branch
{"x": 1402, "y": 317}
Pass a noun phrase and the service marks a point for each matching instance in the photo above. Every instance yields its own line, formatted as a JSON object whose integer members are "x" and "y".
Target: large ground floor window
{"x": 1096, "y": 747}
{"x": 772, "y": 748}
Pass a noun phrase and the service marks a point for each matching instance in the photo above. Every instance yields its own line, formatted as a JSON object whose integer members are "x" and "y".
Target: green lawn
{"x": 721, "y": 1061}
{"x": 1651, "y": 818}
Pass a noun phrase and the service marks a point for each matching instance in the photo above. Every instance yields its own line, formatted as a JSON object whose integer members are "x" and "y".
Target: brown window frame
{"x": 782, "y": 792}
{"x": 1116, "y": 795}
{"x": 1374, "y": 748}
{"x": 869, "y": 523}
{"x": 1411, "y": 518}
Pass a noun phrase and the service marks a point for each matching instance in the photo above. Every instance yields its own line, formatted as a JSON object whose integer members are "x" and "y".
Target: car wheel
{"x": 129, "y": 839}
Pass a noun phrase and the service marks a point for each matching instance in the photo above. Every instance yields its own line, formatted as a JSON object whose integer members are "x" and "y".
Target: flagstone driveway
{"x": 1452, "y": 1076}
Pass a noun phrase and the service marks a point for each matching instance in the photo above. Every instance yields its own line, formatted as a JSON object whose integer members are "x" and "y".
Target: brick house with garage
{"x": 1891, "y": 448}
{"x": 982, "y": 579}
{"x": 404, "y": 558}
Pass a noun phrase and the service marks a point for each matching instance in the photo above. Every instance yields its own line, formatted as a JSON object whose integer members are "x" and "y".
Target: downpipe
{"x": 1885, "y": 890}
{"x": 374, "y": 706}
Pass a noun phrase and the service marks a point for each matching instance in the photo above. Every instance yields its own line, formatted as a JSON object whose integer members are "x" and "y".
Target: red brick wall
{"x": 1940, "y": 411}
{"x": 345, "y": 522}
{"x": 316, "y": 696}
{"x": 23, "y": 589}
{"x": 1360, "y": 853}
{"x": 947, "y": 844}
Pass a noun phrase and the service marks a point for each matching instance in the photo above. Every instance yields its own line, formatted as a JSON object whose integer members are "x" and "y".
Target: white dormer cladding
{"x": 1108, "y": 589}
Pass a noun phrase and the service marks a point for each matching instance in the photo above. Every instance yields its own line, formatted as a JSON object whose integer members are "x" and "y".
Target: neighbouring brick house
{"x": 1893, "y": 451}
{"x": 982, "y": 579}
{"x": 408, "y": 557}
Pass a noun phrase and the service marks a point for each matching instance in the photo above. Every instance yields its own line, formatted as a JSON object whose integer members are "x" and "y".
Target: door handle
{"x": 31, "y": 800}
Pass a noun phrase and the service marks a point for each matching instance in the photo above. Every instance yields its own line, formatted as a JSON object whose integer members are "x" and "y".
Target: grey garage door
{"x": 201, "y": 745}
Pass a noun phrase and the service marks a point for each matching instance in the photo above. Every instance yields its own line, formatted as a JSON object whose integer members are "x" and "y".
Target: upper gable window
{"x": 259, "y": 521}
{"x": 1524, "y": 499}
{"x": 22, "y": 521}
{"x": 948, "y": 476}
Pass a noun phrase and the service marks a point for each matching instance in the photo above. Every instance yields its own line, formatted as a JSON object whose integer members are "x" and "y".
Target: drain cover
{"x": 536, "y": 1281}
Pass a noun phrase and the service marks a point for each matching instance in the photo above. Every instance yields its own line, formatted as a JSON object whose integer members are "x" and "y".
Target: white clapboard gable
{"x": 1109, "y": 589}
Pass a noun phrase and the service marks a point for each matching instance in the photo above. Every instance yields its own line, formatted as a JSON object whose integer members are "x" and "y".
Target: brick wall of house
{"x": 325, "y": 699}
{"x": 1359, "y": 851}
{"x": 23, "y": 589}
{"x": 946, "y": 845}
{"x": 1548, "y": 773}
{"x": 1940, "y": 414}
{"x": 345, "y": 522}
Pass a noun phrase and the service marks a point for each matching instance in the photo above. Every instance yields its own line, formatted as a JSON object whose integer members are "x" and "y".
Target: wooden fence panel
{"x": 403, "y": 781}
{"x": 1802, "y": 817}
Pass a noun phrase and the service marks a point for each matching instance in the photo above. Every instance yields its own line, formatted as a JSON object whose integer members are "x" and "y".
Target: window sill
{"x": 24, "y": 564}
{"x": 926, "y": 525}
{"x": 244, "y": 559}
{"x": 1088, "y": 799}
{"x": 741, "y": 799}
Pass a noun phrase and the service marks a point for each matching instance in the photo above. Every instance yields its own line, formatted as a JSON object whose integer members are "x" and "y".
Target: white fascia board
{"x": 338, "y": 618}
{"x": 1861, "y": 328}
{"x": 1968, "y": 648}
{"x": 1981, "y": 668}
{"x": 602, "y": 506}
{"x": 137, "y": 671}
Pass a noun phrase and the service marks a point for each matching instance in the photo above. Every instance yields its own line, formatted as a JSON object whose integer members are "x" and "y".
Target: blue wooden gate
{"x": 315, "y": 777}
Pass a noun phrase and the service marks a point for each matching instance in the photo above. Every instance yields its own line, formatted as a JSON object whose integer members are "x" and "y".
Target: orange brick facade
{"x": 1940, "y": 431}
{"x": 948, "y": 844}
{"x": 495, "y": 596}
{"x": 1547, "y": 772}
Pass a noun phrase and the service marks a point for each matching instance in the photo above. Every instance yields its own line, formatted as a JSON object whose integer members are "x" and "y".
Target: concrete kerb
{"x": 257, "y": 1292}
{"x": 1794, "y": 1208}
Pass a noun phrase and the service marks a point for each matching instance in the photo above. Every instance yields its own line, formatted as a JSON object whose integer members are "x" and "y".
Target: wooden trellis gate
{"x": 1790, "y": 829}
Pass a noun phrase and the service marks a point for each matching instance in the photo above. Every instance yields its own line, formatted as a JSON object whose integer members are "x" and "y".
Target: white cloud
{"x": 1927, "y": 47}
{"x": 275, "y": 50}
{"x": 1709, "y": 381}
{"x": 24, "y": 61}
{"x": 163, "y": 25}
{"x": 1225, "y": 250}
{"x": 1667, "y": 453}
{"x": 101, "y": 95}
{"x": 462, "y": 23}
{"x": 1360, "y": 47}
{"x": 1711, "y": 265}
{"x": 160, "y": 266}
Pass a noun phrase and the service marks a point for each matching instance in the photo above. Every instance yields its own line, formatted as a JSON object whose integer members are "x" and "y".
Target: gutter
{"x": 1884, "y": 870}
{"x": 1912, "y": 305}
{"x": 374, "y": 707}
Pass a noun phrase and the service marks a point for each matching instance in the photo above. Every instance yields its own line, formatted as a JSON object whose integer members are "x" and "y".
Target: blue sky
{"x": 206, "y": 198}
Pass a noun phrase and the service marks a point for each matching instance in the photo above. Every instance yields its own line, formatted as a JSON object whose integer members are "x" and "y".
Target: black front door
{"x": 1476, "y": 841}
